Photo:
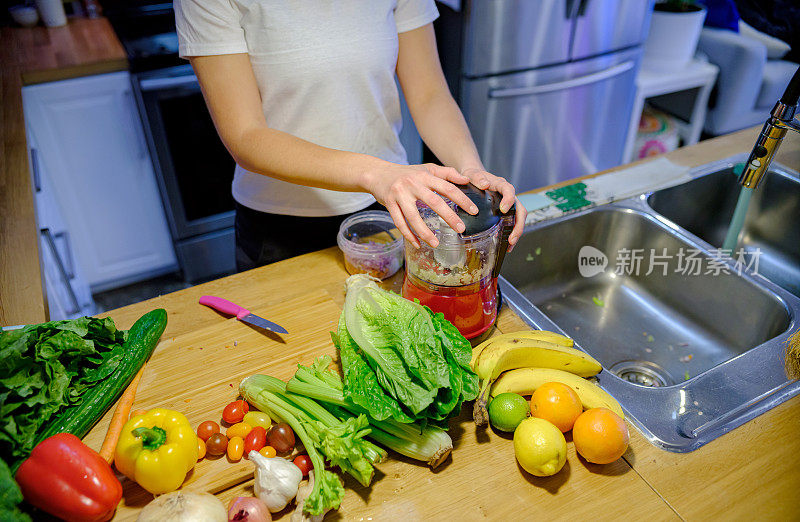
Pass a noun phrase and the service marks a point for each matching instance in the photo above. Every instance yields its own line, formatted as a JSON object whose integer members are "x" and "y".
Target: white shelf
{"x": 698, "y": 74}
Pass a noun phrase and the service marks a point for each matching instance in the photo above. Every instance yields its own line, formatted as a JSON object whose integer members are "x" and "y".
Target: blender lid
{"x": 488, "y": 203}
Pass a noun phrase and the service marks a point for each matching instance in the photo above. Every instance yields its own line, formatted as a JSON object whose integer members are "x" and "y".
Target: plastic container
{"x": 52, "y": 12}
{"x": 371, "y": 244}
{"x": 24, "y": 15}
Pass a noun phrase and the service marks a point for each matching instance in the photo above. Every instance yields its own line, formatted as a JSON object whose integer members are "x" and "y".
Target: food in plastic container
{"x": 371, "y": 244}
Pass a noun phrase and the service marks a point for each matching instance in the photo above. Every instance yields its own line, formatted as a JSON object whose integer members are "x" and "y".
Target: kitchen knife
{"x": 241, "y": 313}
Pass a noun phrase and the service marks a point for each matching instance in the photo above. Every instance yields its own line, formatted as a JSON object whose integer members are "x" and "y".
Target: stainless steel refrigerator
{"x": 547, "y": 86}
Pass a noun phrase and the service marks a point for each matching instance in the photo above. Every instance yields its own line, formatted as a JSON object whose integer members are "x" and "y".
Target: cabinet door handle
{"x": 567, "y": 84}
{"x": 48, "y": 237}
{"x": 64, "y": 236}
{"x": 37, "y": 177}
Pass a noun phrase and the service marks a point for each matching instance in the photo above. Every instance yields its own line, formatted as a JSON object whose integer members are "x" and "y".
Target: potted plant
{"x": 674, "y": 32}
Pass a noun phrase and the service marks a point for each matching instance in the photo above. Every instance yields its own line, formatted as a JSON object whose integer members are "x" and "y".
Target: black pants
{"x": 263, "y": 238}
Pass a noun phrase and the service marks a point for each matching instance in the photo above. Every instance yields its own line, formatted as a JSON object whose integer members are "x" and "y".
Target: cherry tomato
{"x": 255, "y": 440}
{"x": 281, "y": 437}
{"x": 234, "y": 412}
{"x": 258, "y": 418}
{"x": 268, "y": 451}
{"x": 240, "y": 429}
{"x": 304, "y": 463}
{"x": 217, "y": 444}
{"x": 201, "y": 449}
{"x": 235, "y": 449}
{"x": 207, "y": 429}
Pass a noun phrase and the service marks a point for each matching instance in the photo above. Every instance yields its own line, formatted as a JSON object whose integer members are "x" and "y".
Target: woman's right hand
{"x": 399, "y": 187}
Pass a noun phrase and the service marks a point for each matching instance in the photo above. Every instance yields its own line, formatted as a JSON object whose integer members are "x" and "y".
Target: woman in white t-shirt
{"x": 303, "y": 95}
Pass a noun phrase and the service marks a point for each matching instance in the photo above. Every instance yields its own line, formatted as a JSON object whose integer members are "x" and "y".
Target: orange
{"x": 558, "y": 403}
{"x": 600, "y": 435}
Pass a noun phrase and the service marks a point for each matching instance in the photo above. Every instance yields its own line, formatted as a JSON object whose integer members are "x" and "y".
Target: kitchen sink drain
{"x": 643, "y": 373}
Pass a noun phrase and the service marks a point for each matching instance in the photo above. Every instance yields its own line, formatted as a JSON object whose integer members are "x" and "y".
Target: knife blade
{"x": 241, "y": 313}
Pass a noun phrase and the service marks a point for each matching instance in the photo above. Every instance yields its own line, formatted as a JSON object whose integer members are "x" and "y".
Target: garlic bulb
{"x": 276, "y": 480}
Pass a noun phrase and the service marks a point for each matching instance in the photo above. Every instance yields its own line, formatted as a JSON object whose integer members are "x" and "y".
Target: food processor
{"x": 459, "y": 277}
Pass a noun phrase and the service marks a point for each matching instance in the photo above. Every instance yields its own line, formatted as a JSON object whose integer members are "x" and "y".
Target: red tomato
{"x": 234, "y": 412}
{"x": 304, "y": 463}
{"x": 255, "y": 440}
{"x": 207, "y": 429}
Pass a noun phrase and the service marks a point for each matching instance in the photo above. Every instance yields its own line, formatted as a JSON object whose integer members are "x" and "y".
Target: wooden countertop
{"x": 752, "y": 472}
{"x": 83, "y": 47}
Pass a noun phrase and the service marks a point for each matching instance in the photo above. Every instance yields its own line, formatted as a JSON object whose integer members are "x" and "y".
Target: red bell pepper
{"x": 67, "y": 478}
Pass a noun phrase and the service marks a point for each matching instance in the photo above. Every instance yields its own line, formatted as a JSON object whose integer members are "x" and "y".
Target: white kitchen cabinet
{"x": 90, "y": 147}
{"x": 68, "y": 293}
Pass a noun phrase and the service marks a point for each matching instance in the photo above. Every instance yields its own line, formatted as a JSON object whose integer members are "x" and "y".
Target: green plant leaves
{"x": 399, "y": 359}
{"x": 46, "y": 367}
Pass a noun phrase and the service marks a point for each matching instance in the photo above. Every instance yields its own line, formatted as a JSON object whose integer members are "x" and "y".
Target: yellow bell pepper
{"x": 157, "y": 449}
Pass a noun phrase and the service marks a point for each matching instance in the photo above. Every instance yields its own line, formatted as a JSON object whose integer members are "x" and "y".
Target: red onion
{"x": 248, "y": 509}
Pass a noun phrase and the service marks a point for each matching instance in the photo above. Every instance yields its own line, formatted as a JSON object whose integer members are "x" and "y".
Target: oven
{"x": 193, "y": 169}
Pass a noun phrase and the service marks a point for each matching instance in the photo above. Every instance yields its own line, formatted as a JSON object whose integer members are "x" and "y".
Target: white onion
{"x": 248, "y": 509}
{"x": 184, "y": 506}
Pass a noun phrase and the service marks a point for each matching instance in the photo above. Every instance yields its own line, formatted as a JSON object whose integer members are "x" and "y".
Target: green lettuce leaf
{"x": 376, "y": 332}
{"x": 360, "y": 383}
{"x": 415, "y": 357}
{"x": 10, "y": 497}
{"x": 47, "y": 367}
{"x": 458, "y": 351}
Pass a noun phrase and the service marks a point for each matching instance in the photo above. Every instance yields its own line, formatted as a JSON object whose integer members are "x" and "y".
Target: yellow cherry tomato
{"x": 235, "y": 448}
{"x": 268, "y": 451}
{"x": 240, "y": 429}
{"x": 258, "y": 418}
{"x": 201, "y": 448}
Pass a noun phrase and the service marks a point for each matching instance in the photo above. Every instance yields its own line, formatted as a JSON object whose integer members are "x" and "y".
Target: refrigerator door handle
{"x": 566, "y": 84}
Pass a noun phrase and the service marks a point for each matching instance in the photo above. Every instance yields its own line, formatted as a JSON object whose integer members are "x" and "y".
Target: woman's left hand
{"x": 485, "y": 181}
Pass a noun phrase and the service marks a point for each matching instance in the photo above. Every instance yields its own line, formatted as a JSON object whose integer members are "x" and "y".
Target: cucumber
{"x": 142, "y": 340}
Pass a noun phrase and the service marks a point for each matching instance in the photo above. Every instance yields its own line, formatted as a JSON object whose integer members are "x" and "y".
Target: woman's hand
{"x": 399, "y": 187}
{"x": 485, "y": 181}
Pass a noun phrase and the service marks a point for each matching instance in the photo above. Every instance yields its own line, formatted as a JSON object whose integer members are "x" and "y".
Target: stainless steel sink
{"x": 705, "y": 206}
{"x": 690, "y": 354}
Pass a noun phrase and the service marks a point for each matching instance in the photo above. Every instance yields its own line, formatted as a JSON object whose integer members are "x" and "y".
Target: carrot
{"x": 119, "y": 418}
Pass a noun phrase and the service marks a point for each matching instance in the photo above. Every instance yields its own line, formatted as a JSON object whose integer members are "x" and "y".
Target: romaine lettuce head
{"x": 416, "y": 357}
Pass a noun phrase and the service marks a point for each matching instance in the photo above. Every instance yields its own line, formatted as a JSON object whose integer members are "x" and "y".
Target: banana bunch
{"x": 529, "y": 359}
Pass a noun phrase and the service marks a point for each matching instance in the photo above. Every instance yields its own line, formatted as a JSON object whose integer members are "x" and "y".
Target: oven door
{"x": 192, "y": 166}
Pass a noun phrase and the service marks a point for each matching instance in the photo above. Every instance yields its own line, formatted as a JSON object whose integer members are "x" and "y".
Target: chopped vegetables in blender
{"x": 455, "y": 262}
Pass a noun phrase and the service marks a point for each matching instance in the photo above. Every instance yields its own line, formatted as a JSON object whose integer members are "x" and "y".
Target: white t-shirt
{"x": 325, "y": 70}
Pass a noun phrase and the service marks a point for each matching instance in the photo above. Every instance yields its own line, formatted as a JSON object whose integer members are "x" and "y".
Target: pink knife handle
{"x": 224, "y": 306}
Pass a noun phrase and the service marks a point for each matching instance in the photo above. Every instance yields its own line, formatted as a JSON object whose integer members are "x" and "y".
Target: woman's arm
{"x": 439, "y": 120}
{"x": 232, "y": 96}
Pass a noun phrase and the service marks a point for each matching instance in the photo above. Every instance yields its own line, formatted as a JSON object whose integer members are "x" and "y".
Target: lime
{"x": 540, "y": 447}
{"x": 507, "y": 410}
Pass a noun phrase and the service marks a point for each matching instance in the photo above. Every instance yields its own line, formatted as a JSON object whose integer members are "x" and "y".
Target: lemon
{"x": 507, "y": 410}
{"x": 540, "y": 447}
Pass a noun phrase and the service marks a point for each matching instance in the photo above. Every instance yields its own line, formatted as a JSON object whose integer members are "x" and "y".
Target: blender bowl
{"x": 457, "y": 277}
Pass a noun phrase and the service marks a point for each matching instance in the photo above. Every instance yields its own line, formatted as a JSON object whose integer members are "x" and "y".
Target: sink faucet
{"x": 780, "y": 120}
